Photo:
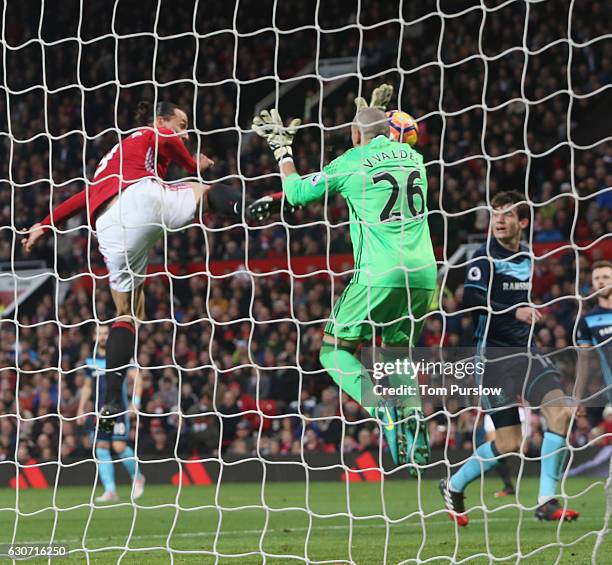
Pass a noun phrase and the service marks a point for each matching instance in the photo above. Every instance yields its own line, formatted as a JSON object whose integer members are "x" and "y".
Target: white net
{"x": 249, "y": 452}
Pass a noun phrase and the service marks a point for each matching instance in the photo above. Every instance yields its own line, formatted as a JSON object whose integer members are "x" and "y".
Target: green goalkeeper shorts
{"x": 360, "y": 309}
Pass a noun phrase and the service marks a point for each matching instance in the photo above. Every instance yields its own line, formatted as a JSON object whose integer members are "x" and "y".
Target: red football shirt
{"x": 145, "y": 153}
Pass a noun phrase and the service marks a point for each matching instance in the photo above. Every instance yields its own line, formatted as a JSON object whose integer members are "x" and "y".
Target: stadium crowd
{"x": 205, "y": 336}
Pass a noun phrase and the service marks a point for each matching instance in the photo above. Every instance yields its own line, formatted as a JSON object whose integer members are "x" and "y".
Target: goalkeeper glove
{"x": 380, "y": 98}
{"x": 269, "y": 125}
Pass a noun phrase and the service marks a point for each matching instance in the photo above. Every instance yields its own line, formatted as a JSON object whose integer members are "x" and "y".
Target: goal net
{"x": 249, "y": 450}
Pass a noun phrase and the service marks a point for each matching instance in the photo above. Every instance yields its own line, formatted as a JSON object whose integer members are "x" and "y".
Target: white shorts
{"x": 129, "y": 228}
{"x": 524, "y": 414}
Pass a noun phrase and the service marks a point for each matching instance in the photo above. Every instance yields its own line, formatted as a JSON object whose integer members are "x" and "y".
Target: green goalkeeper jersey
{"x": 385, "y": 187}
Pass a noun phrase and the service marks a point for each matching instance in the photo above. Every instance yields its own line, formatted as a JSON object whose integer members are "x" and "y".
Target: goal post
{"x": 249, "y": 450}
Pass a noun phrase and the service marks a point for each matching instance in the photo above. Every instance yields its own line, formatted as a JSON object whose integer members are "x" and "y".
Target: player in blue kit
{"x": 595, "y": 331}
{"x": 497, "y": 289}
{"x": 95, "y": 385}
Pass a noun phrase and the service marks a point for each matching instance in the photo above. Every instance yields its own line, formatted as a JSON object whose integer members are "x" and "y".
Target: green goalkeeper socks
{"x": 404, "y": 377}
{"x": 345, "y": 369}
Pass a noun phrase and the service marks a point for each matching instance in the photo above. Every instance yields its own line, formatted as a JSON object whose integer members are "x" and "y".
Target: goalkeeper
{"x": 385, "y": 187}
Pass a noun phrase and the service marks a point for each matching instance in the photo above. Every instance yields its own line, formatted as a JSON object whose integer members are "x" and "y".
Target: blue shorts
{"x": 517, "y": 378}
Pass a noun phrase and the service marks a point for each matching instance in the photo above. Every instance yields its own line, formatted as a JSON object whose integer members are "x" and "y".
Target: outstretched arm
{"x": 582, "y": 371}
{"x": 59, "y": 214}
{"x": 287, "y": 168}
{"x": 301, "y": 191}
{"x": 298, "y": 191}
{"x": 584, "y": 340}
{"x": 83, "y": 400}
{"x": 172, "y": 147}
{"x": 136, "y": 391}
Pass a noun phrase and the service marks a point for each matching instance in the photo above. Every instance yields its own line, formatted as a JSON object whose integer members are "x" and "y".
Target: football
{"x": 403, "y": 127}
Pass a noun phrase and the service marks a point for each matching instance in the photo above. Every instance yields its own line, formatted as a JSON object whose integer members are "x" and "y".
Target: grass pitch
{"x": 291, "y": 522}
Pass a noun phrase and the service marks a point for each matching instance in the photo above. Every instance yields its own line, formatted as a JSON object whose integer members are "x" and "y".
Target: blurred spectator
{"x": 365, "y": 440}
{"x": 159, "y": 445}
{"x": 203, "y": 428}
{"x": 602, "y": 435}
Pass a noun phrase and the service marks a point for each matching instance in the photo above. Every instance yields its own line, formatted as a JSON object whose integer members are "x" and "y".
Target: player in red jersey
{"x": 130, "y": 206}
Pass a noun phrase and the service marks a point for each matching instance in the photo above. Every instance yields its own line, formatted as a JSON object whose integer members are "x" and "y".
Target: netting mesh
{"x": 510, "y": 94}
